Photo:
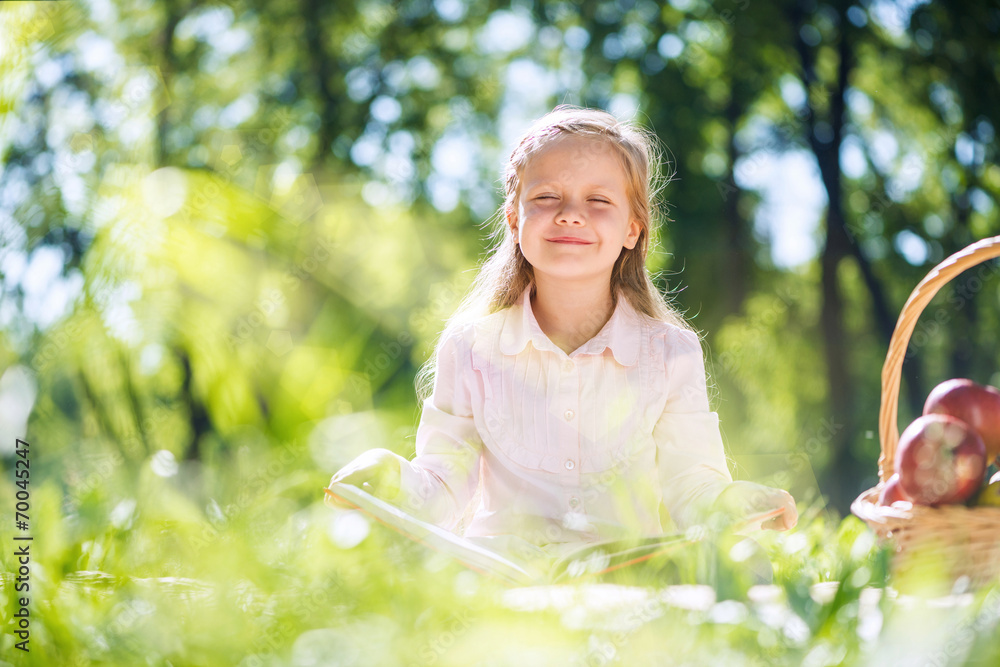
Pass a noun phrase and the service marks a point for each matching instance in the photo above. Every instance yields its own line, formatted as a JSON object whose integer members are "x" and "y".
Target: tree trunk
{"x": 168, "y": 65}
{"x": 320, "y": 68}
{"x": 843, "y": 467}
{"x": 201, "y": 423}
{"x": 737, "y": 260}
{"x": 963, "y": 357}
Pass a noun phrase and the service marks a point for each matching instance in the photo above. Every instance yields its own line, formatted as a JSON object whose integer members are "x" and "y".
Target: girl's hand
{"x": 742, "y": 500}
{"x": 376, "y": 471}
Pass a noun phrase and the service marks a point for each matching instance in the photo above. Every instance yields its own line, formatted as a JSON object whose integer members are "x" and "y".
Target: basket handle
{"x": 888, "y": 429}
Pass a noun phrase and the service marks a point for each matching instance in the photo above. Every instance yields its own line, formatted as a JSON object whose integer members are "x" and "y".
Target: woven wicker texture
{"x": 955, "y": 539}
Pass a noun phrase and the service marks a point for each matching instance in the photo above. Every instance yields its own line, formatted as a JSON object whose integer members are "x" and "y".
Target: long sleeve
{"x": 439, "y": 482}
{"x": 690, "y": 456}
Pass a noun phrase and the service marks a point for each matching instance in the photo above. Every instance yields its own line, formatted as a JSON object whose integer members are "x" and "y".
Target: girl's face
{"x": 572, "y": 217}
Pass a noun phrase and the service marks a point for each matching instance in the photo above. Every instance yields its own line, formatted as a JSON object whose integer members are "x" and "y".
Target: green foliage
{"x": 261, "y": 216}
{"x": 263, "y": 573}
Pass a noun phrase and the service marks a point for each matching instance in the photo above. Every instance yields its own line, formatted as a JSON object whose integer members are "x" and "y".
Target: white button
{"x": 568, "y": 366}
{"x": 568, "y": 414}
{"x": 574, "y": 501}
{"x": 569, "y": 464}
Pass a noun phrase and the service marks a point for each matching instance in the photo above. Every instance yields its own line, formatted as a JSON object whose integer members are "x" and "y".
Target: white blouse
{"x": 584, "y": 446}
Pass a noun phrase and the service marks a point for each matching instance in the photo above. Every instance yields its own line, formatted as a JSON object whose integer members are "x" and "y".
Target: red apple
{"x": 975, "y": 404}
{"x": 940, "y": 460}
{"x": 892, "y": 492}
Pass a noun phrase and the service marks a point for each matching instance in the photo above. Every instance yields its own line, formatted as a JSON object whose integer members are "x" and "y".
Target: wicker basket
{"x": 952, "y": 540}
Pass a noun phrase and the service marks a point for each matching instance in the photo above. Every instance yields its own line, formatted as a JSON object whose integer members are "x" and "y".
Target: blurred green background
{"x": 230, "y": 233}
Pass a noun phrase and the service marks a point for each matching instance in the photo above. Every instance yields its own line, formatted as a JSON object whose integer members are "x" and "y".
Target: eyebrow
{"x": 540, "y": 184}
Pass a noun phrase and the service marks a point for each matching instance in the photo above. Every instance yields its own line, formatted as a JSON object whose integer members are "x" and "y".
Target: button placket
{"x": 569, "y": 397}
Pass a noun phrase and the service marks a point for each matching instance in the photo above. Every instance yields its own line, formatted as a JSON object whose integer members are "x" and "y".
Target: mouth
{"x": 569, "y": 240}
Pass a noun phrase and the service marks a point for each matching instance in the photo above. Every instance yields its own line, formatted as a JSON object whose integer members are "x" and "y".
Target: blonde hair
{"x": 505, "y": 275}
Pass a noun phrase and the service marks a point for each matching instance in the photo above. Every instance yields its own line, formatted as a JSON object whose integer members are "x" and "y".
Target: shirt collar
{"x": 620, "y": 334}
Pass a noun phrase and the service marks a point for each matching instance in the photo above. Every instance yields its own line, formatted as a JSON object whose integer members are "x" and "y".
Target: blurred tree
{"x": 825, "y": 119}
{"x": 958, "y": 49}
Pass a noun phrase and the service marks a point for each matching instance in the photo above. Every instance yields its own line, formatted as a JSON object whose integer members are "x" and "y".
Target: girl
{"x": 565, "y": 384}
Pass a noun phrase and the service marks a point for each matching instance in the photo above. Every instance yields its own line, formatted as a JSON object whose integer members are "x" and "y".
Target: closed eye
{"x": 593, "y": 199}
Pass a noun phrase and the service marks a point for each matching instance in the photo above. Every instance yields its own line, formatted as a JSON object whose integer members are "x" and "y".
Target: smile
{"x": 569, "y": 240}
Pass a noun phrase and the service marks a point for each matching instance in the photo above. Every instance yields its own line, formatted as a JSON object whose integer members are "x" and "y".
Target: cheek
{"x": 531, "y": 209}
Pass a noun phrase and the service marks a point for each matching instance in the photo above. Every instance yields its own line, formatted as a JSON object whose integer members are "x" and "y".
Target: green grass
{"x": 225, "y": 568}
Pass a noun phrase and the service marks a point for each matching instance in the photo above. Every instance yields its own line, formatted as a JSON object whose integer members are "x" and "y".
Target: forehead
{"x": 576, "y": 158}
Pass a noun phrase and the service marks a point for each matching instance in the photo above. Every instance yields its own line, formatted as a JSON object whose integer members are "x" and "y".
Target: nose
{"x": 571, "y": 213}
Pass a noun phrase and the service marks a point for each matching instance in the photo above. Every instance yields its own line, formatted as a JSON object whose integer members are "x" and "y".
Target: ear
{"x": 511, "y": 220}
{"x": 632, "y": 235}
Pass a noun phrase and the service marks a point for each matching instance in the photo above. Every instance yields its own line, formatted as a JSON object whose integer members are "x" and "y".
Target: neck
{"x": 570, "y": 314}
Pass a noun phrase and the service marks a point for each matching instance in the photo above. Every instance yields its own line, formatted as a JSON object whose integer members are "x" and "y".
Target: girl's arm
{"x": 439, "y": 482}
{"x": 690, "y": 457}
